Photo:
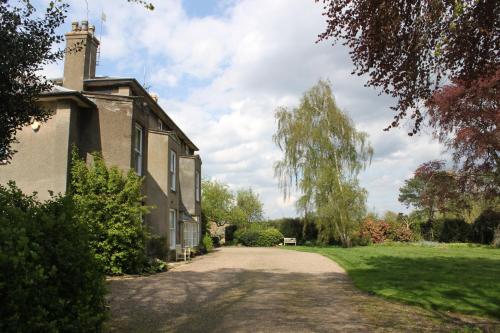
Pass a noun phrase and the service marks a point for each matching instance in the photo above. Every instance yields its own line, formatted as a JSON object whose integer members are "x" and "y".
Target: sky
{"x": 222, "y": 67}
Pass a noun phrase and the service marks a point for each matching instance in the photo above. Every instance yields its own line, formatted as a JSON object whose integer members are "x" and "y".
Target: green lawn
{"x": 454, "y": 277}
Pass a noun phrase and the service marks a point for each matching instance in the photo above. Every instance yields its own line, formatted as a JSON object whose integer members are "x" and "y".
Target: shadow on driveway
{"x": 274, "y": 298}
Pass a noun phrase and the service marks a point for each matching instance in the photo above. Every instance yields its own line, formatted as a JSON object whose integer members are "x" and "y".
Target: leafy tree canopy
{"x": 432, "y": 189}
{"x": 26, "y": 47}
{"x": 220, "y": 205}
{"x": 218, "y": 201}
{"x": 408, "y": 48}
{"x": 323, "y": 154}
{"x": 250, "y": 204}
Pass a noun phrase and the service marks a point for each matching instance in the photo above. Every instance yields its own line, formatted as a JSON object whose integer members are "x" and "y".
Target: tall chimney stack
{"x": 80, "y": 57}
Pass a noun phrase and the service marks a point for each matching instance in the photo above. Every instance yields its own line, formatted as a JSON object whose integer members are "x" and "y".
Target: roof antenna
{"x": 87, "y": 3}
{"x": 144, "y": 84}
{"x": 103, "y": 19}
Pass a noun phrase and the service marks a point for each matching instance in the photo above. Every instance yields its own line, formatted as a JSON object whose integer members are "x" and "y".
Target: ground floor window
{"x": 172, "y": 224}
{"x": 191, "y": 234}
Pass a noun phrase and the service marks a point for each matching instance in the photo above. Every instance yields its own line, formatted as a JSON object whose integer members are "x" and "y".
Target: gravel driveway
{"x": 258, "y": 290}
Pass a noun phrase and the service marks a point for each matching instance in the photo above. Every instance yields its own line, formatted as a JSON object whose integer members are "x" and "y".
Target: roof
{"x": 110, "y": 81}
{"x": 58, "y": 92}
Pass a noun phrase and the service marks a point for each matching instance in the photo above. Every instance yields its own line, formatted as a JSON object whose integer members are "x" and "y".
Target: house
{"x": 120, "y": 119}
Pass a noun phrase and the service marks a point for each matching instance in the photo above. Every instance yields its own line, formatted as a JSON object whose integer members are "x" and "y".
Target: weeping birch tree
{"x": 323, "y": 155}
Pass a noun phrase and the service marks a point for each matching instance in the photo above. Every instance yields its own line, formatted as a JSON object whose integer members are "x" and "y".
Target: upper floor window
{"x": 197, "y": 186}
{"x": 138, "y": 149}
{"x": 160, "y": 125}
{"x": 173, "y": 170}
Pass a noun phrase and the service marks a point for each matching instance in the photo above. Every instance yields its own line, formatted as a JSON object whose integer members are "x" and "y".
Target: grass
{"x": 447, "y": 277}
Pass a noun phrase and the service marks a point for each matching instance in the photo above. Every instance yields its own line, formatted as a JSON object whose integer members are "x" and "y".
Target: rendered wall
{"x": 42, "y": 159}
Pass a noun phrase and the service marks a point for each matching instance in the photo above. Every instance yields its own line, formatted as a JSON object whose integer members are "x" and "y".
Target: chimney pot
{"x": 80, "y": 64}
{"x": 85, "y": 25}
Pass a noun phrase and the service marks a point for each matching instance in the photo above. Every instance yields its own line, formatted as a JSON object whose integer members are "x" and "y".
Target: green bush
{"x": 216, "y": 241}
{"x": 155, "y": 265}
{"x": 229, "y": 233}
{"x": 431, "y": 230}
{"x": 110, "y": 204}
{"x": 247, "y": 237}
{"x": 400, "y": 233}
{"x": 496, "y": 238}
{"x": 157, "y": 247}
{"x": 361, "y": 239}
{"x": 207, "y": 243}
{"x": 301, "y": 229}
{"x": 483, "y": 229}
{"x": 49, "y": 278}
{"x": 260, "y": 237}
{"x": 291, "y": 227}
{"x": 454, "y": 230}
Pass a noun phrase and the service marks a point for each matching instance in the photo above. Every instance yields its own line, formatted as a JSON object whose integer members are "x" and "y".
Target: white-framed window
{"x": 160, "y": 124}
{"x": 172, "y": 228}
{"x": 196, "y": 234}
{"x": 138, "y": 149}
{"x": 197, "y": 181}
{"x": 191, "y": 234}
{"x": 173, "y": 170}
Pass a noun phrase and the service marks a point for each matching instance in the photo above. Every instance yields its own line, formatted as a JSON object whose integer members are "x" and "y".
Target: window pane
{"x": 138, "y": 139}
{"x": 173, "y": 169}
{"x": 172, "y": 224}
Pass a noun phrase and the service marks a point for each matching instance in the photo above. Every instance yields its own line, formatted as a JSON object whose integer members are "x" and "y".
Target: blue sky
{"x": 221, "y": 68}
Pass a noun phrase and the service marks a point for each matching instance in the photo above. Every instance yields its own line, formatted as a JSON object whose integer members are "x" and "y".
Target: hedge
{"x": 49, "y": 278}
{"x": 259, "y": 237}
{"x": 483, "y": 229}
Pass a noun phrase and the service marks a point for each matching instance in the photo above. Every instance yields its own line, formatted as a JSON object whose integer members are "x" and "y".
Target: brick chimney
{"x": 80, "y": 57}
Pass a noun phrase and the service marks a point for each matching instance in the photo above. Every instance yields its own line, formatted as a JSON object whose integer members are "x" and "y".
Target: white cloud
{"x": 255, "y": 56}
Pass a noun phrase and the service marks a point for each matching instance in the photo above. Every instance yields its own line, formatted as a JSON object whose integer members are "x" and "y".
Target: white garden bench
{"x": 290, "y": 241}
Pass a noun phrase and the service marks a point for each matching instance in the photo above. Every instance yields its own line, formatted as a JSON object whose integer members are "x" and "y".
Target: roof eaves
{"x": 137, "y": 85}
{"x": 68, "y": 94}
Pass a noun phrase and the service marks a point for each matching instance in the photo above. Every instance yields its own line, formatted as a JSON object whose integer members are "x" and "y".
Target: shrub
{"x": 359, "y": 239}
{"x": 157, "y": 247}
{"x": 229, "y": 233}
{"x": 270, "y": 237}
{"x": 300, "y": 228}
{"x": 483, "y": 229}
{"x": 376, "y": 231}
{"x": 110, "y": 204}
{"x": 372, "y": 231}
{"x": 216, "y": 241}
{"x": 496, "y": 238}
{"x": 260, "y": 237}
{"x": 155, "y": 265}
{"x": 400, "y": 233}
{"x": 453, "y": 230}
{"x": 206, "y": 243}
{"x": 291, "y": 227}
{"x": 247, "y": 237}
{"x": 49, "y": 278}
{"x": 431, "y": 230}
